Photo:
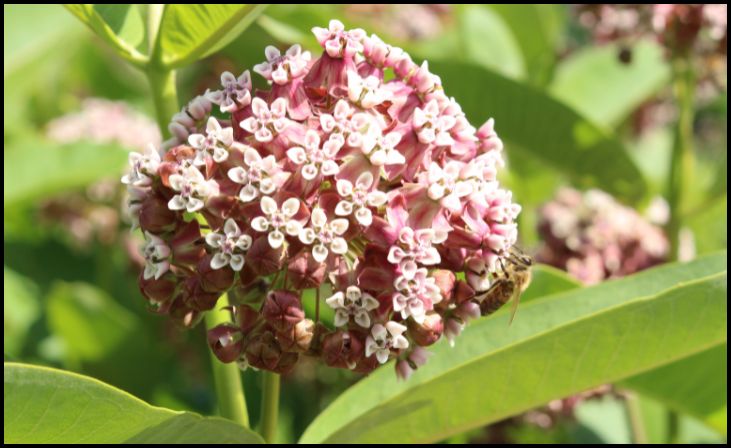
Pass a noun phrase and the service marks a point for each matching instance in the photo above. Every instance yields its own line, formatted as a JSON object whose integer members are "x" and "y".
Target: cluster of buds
{"x": 353, "y": 176}
{"x": 593, "y": 237}
{"x": 680, "y": 28}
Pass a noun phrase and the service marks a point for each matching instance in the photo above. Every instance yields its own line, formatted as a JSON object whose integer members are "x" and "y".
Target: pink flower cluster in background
{"x": 353, "y": 180}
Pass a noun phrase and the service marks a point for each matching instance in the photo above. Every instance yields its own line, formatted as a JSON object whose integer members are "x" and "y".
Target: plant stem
{"x": 673, "y": 431}
{"x": 164, "y": 95}
{"x": 269, "y": 406}
{"x": 227, "y": 377}
{"x": 681, "y": 163}
{"x": 636, "y": 423}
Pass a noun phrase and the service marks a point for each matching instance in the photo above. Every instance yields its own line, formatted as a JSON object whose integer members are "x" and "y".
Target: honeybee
{"x": 510, "y": 282}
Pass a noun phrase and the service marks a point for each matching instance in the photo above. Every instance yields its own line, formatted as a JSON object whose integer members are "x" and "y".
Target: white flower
{"x": 266, "y": 122}
{"x": 416, "y": 293}
{"x": 353, "y": 303}
{"x": 229, "y": 246}
{"x": 352, "y": 126}
{"x": 339, "y": 43}
{"x": 366, "y": 92}
{"x": 359, "y": 198}
{"x": 256, "y": 177}
{"x": 432, "y": 126}
{"x": 325, "y": 235}
{"x": 383, "y": 339}
{"x": 317, "y": 160}
{"x": 381, "y": 149}
{"x": 236, "y": 93}
{"x": 157, "y": 255}
{"x": 447, "y": 186}
{"x": 144, "y": 167}
{"x": 281, "y": 69}
{"x": 193, "y": 189}
{"x": 416, "y": 246}
{"x": 214, "y": 144}
{"x": 276, "y": 219}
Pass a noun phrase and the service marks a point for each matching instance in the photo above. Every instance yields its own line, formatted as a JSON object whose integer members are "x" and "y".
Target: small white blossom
{"x": 257, "y": 177}
{"x": 193, "y": 190}
{"x": 144, "y": 167}
{"x": 157, "y": 255}
{"x": 416, "y": 294}
{"x": 281, "y": 69}
{"x": 352, "y": 126}
{"x": 316, "y": 160}
{"x": 353, "y": 303}
{"x": 366, "y": 92}
{"x": 337, "y": 42}
{"x": 266, "y": 122}
{"x": 358, "y": 198}
{"x": 381, "y": 149}
{"x": 236, "y": 93}
{"x": 229, "y": 246}
{"x": 325, "y": 235}
{"x": 433, "y": 127}
{"x": 276, "y": 220}
{"x": 384, "y": 338}
{"x": 213, "y": 145}
{"x": 447, "y": 186}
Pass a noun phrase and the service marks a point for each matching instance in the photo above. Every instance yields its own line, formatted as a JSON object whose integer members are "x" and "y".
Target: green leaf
{"x": 695, "y": 385}
{"x": 709, "y": 226}
{"x": 547, "y": 280}
{"x": 21, "y": 309}
{"x": 90, "y": 323}
{"x": 549, "y": 131}
{"x": 596, "y": 84}
{"x": 119, "y": 25}
{"x": 44, "y": 405}
{"x": 35, "y": 169}
{"x": 556, "y": 347}
{"x": 192, "y": 31}
{"x": 537, "y": 30}
{"x": 488, "y": 41}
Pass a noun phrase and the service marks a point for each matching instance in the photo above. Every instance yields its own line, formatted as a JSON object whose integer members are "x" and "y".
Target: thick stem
{"x": 681, "y": 163}
{"x": 227, "y": 377}
{"x": 269, "y": 406}
{"x": 164, "y": 95}
{"x": 636, "y": 423}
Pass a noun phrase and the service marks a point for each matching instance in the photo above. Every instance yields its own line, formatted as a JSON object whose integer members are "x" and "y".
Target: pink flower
{"x": 432, "y": 126}
{"x": 367, "y": 92}
{"x": 339, "y": 43}
{"x": 229, "y": 246}
{"x": 236, "y": 92}
{"x": 324, "y": 236}
{"x": 358, "y": 198}
{"x": 193, "y": 190}
{"x": 281, "y": 69}
{"x": 258, "y": 175}
{"x": 277, "y": 220}
{"x": 316, "y": 160}
{"x": 385, "y": 338}
{"x": 214, "y": 145}
{"x": 416, "y": 294}
{"x": 353, "y": 304}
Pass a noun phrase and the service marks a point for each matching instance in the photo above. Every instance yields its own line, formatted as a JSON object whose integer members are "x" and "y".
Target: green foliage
{"x": 43, "y": 405}
{"x": 21, "y": 309}
{"x": 560, "y": 345}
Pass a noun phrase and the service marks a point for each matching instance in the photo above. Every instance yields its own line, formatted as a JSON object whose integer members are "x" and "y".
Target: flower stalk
{"x": 269, "y": 406}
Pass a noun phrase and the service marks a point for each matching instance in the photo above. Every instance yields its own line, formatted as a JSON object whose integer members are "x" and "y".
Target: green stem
{"x": 227, "y": 377}
{"x": 164, "y": 95}
{"x": 636, "y": 423}
{"x": 269, "y": 406}
{"x": 673, "y": 431}
{"x": 681, "y": 163}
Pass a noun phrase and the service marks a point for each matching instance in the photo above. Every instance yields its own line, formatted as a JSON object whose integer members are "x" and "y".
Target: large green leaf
{"x": 548, "y": 130}
{"x": 119, "y": 25}
{"x": 595, "y": 83}
{"x": 35, "y": 168}
{"x": 548, "y": 280}
{"x": 557, "y": 346}
{"x": 43, "y": 405}
{"x": 537, "y": 30}
{"x": 192, "y": 31}
{"x": 695, "y": 385}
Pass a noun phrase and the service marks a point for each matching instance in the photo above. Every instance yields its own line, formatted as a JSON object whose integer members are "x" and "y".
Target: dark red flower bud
{"x": 182, "y": 314}
{"x": 343, "y": 349}
{"x": 226, "y": 342}
{"x": 262, "y": 258}
{"x": 299, "y": 337}
{"x": 159, "y": 290}
{"x": 305, "y": 272}
{"x": 282, "y": 309}
{"x": 367, "y": 365}
{"x": 429, "y": 331}
{"x": 214, "y": 280}
{"x": 187, "y": 244}
{"x": 198, "y": 298}
{"x": 463, "y": 292}
{"x": 247, "y": 317}
{"x": 155, "y": 216}
{"x": 264, "y": 352}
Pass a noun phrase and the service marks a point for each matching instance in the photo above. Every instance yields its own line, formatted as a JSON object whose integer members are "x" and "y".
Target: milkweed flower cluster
{"x": 353, "y": 176}
{"x": 594, "y": 237}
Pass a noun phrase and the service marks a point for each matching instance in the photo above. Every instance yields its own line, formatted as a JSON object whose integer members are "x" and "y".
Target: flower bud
{"x": 226, "y": 342}
{"x": 342, "y": 349}
{"x": 462, "y": 292}
{"x": 445, "y": 282}
{"x": 429, "y": 331}
{"x": 187, "y": 244}
{"x": 299, "y": 338}
{"x": 155, "y": 216}
{"x": 214, "y": 280}
{"x": 158, "y": 290}
{"x": 262, "y": 258}
{"x": 264, "y": 352}
{"x": 305, "y": 272}
{"x": 282, "y": 310}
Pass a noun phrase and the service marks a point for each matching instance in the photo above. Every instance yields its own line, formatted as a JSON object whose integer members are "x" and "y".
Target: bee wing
{"x": 514, "y": 306}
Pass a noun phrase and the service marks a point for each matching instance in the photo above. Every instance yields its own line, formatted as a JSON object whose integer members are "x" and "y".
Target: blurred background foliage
{"x": 571, "y": 114}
